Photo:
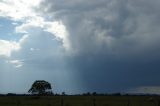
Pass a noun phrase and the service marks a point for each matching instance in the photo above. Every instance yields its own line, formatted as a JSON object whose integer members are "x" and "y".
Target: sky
{"x": 79, "y": 46}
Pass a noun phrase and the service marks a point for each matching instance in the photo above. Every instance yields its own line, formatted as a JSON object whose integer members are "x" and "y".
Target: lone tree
{"x": 41, "y": 87}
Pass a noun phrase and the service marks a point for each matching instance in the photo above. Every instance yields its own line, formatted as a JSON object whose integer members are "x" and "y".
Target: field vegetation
{"x": 79, "y": 100}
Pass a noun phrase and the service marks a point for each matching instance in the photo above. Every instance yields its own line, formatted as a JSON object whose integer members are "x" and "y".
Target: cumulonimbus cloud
{"x": 112, "y": 43}
{"x": 114, "y": 27}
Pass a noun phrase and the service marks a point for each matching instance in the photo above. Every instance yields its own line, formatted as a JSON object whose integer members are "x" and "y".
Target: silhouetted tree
{"x": 40, "y": 87}
{"x": 86, "y": 94}
{"x": 63, "y": 93}
{"x": 94, "y": 93}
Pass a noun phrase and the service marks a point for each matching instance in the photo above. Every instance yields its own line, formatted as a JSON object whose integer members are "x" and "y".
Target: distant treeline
{"x": 83, "y": 94}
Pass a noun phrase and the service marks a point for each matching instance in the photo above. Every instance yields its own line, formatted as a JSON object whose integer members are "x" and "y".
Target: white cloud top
{"x": 18, "y": 9}
{"x": 7, "y": 47}
{"x": 25, "y": 12}
{"x": 16, "y": 63}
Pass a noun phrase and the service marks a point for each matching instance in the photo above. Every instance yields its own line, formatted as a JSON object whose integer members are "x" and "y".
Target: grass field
{"x": 79, "y": 101}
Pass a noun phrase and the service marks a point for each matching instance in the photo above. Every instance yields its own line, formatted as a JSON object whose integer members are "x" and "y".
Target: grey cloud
{"x": 45, "y": 62}
{"x": 115, "y": 44}
{"x": 121, "y": 28}
{"x": 116, "y": 41}
{"x": 41, "y": 50}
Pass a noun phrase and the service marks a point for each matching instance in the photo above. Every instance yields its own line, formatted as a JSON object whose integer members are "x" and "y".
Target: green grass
{"x": 79, "y": 101}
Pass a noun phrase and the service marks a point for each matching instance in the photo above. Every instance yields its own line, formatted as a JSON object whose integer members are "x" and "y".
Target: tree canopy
{"x": 40, "y": 87}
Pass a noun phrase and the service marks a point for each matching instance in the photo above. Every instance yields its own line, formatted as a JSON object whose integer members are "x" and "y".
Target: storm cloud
{"x": 109, "y": 27}
{"x": 114, "y": 43}
{"x": 102, "y": 46}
